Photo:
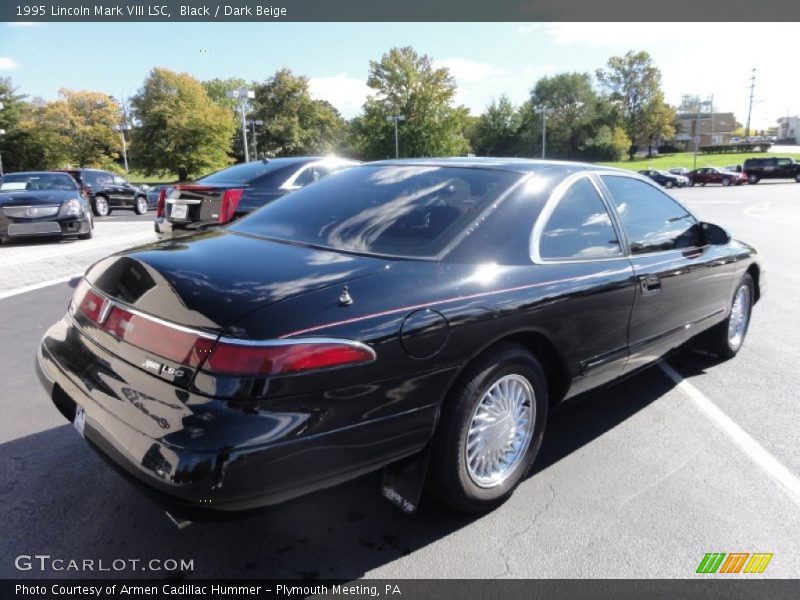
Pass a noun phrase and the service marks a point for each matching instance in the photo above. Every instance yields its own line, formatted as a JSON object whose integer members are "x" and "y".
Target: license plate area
{"x": 179, "y": 211}
{"x": 33, "y": 228}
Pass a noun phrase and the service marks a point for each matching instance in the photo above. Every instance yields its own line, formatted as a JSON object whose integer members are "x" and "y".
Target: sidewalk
{"x": 28, "y": 262}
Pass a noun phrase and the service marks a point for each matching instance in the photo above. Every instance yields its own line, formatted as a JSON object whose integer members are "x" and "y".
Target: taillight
{"x": 226, "y": 356}
{"x": 163, "y": 339}
{"x": 162, "y": 199}
{"x": 230, "y": 357}
{"x": 230, "y": 200}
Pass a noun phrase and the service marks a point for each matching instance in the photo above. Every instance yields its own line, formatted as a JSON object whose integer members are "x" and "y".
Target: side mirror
{"x": 715, "y": 235}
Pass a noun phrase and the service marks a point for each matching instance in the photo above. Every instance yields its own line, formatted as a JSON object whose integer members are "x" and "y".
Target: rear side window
{"x": 242, "y": 173}
{"x": 652, "y": 220}
{"x": 579, "y": 227}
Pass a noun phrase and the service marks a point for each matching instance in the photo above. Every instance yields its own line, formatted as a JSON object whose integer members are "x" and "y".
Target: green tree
{"x": 294, "y": 122}
{"x": 406, "y": 83}
{"x": 82, "y": 124}
{"x": 573, "y": 101}
{"x": 180, "y": 128}
{"x": 633, "y": 83}
{"x": 658, "y": 122}
{"x": 496, "y": 131}
{"x": 217, "y": 89}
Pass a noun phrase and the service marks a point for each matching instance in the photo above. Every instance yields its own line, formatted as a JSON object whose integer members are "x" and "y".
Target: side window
{"x": 783, "y": 162}
{"x": 579, "y": 226}
{"x": 652, "y": 220}
{"x": 90, "y": 178}
{"x": 305, "y": 177}
{"x": 118, "y": 180}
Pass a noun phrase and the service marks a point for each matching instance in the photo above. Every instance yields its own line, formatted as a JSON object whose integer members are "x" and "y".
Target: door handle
{"x": 649, "y": 284}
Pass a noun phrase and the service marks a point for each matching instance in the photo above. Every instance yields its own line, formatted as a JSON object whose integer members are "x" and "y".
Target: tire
{"x": 669, "y": 185}
{"x": 726, "y": 182}
{"x": 703, "y": 184}
{"x": 691, "y": 183}
{"x": 140, "y": 206}
{"x": 727, "y": 338}
{"x": 467, "y": 485}
{"x": 100, "y": 206}
{"x": 752, "y": 179}
{"x": 797, "y": 178}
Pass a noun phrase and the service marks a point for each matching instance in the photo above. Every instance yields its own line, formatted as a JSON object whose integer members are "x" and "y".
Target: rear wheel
{"x": 752, "y": 178}
{"x": 140, "y": 207}
{"x": 490, "y": 430}
{"x": 669, "y": 184}
{"x": 726, "y": 182}
{"x": 100, "y": 206}
{"x": 727, "y": 338}
{"x": 797, "y": 178}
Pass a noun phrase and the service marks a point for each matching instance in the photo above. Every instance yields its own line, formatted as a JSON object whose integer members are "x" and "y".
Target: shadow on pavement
{"x": 63, "y": 500}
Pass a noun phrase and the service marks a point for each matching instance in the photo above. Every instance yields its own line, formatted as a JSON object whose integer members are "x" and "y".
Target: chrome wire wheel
{"x": 500, "y": 430}
{"x": 740, "y": 315}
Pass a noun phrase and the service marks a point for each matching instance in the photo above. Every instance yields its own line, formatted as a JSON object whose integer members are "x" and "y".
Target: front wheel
{"x": 797, "y": 178}
{"x": 140, "y": 207}
{"x": 727, "y": 338}
{"x": 752, "y": 179}
{"x": 669, "y": 185}
{"x": 726, "y": 182}
{"x": 490, "y": 430}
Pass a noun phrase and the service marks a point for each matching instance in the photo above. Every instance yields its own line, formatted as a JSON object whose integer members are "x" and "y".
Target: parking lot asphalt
{"x": 636, "y": 481}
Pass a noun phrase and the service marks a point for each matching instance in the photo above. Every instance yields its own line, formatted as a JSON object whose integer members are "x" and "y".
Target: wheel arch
{"x": 755, "y": 272}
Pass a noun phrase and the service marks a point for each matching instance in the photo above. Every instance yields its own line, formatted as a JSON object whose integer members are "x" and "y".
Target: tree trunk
{"x": 183, "y": 175}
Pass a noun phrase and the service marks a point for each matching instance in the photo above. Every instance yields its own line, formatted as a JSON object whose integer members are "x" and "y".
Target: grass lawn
{"x": 686, "y": 159}
{"x": 136, "y": 177}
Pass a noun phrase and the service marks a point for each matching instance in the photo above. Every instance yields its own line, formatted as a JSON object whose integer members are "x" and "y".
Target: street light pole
{"x": 243, "y": 94}
{"x": 541, "y": 110}
{"x": 396, "y": 118}
{"x": 122, "y": 129}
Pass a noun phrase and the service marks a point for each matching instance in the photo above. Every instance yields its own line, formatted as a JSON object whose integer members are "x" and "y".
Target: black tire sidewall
{"x": 729, "y": 351}
{"x": 136, "y": 206}
{"x": 97, "y": 211}
{"x": 468, "y": 495}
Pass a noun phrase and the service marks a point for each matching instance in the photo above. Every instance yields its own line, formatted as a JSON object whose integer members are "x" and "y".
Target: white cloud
{"x": 7, "y": 64}
{"x": 346, "y": 93}
{"x": 25, "y": 24}
{"x": 465, "y": 70}
{"x": 530, "y": 27}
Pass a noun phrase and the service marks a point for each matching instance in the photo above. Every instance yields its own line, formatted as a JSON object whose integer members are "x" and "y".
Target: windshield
{"x": 37, "y": 182}
{"x": 391, "y": 210}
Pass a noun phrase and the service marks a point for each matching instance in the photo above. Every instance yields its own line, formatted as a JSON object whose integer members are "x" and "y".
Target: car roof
{"x": 34, "y": 173}
{"x": 518, "y": 165}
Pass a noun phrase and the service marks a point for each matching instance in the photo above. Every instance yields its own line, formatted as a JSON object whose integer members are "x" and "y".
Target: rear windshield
{"x": 245, "y": 172}
{"x": 389, "y": 210}
{"x": 37, "y": 182}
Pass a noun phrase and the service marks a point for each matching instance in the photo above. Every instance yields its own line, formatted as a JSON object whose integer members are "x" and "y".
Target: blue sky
{"x": 487, "y": 59}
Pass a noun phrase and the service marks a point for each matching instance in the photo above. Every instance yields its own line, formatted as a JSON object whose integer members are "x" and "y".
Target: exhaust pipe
{"x": 180, "y": 523}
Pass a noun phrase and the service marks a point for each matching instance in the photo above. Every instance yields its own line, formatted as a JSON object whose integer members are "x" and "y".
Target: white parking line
{"x": 38, "y": 286}
{"x": 754, "y": 451}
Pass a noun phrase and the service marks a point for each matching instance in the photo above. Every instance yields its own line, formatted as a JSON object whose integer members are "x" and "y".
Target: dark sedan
{"x": 234, "y": 192}
{"x": 715, "y": 175}
{"x": 41, "y": 203}
{"x": 665, "y": 178}
{"x": 431, "y": 312}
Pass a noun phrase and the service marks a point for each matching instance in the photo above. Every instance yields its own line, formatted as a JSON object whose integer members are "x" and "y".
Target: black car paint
{"x": 117, "y": 192}
{"x": 70, "y": 225}
{"x": 219, "y": 444}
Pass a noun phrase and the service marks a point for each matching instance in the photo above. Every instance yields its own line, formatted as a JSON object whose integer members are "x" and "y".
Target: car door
{"x": 123, "y": 192}
{"x": 577, "y": 239}
{"x": 682, "y": 283}
{"x": 784, "y": 168}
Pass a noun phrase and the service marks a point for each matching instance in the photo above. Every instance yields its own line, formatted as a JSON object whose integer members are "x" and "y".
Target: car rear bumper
{"x": 201, "y": 457}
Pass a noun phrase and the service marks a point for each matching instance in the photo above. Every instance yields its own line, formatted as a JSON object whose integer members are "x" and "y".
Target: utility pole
{"x": 750, "y": 109}
{"x": 541, "y": 110}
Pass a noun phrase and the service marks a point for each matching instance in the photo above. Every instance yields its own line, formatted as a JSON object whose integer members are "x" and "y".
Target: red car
{"x": 714, "y": 175}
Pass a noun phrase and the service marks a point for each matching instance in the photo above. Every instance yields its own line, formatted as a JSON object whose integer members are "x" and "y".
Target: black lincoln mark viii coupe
{"x": 432, "y": 308}
{"x": 40, "y": 203}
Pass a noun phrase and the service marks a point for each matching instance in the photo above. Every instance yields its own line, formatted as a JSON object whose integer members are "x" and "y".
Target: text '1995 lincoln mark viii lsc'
{"x": 391, "y": 311}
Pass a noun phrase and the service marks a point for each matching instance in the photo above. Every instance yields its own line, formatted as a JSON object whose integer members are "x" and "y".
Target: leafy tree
{"x": 406, "y": 83}
{"x": 295, "y": 123}
{"x": 658, "y": 122}
{"x": 573, "y": 100}
{"x": 16, "y": 149}
{"x": 633, "y": 83}
{"x": 496, "y": 132}
{"x": 181, "y": 129}
{"x": 83, "y": 125}
{"x": 217, "y": 89}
